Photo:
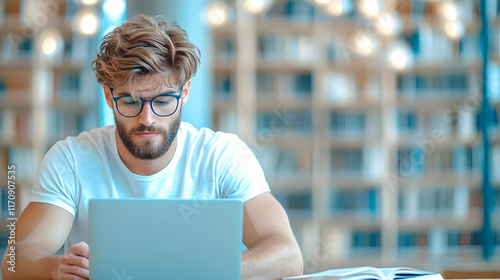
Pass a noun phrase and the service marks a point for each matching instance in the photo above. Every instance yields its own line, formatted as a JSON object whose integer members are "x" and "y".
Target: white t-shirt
{"x": 205, "y": 165}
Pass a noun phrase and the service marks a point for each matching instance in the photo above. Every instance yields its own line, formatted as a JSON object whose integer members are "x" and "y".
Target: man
{"x": 145, "y": 67}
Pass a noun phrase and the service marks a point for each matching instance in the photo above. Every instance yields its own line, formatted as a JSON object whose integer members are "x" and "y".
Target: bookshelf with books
{"x": 374, "y": 165}
{"x": 46, "y": 86}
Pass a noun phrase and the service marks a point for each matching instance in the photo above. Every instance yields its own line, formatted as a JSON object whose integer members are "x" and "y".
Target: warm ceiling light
{"x": 114, "y": 8}
{"x": 257, "y": 6}
{"x": 388, "y": 24}
{"x": 49, "y": 45}
{"x": 89, "y": 2}
{"x": 88, "y": 24}
{"x": 51, "y": 42}
{"x": 448, "y": 10}
{"x": 339, "y": 7}
{"x": 370, "y": 8}
{"x": 400, "y": 56}
{"x": 363, "y": 44}
{"x": 454, "y": 29}
{"x": 216, "y": 13}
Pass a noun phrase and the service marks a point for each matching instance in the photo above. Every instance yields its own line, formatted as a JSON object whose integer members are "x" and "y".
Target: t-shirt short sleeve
{"x": 55, "y": 180}
{"x": 239, "y": 173}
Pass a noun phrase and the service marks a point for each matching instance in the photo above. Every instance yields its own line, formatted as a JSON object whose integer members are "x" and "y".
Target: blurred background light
{"x": 448, "y": 10}
{"x": 364, "y": 45}
{"x": 49, "y": 46}
{"x": 322, "y": 2}
{"x": 388, "y": 24}
{"x": 114, "y": 8}
{"x": 454, "y": 29}
{"x": 400, "y": 56}
{"x": 339, "y": 7}
{"x": 216, "y": 13}
{"x": 89, "y": 2}
{"x": 257, "y": 6}
{"x": 370, "y": 8}
{"x": 52, "y": 43}
{"x": 89, "y": 23}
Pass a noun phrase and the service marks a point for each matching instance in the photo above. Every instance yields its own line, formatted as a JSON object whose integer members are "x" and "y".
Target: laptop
{"x": 165, "y": 239}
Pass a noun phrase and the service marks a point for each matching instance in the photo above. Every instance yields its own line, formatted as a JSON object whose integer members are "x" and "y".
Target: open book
{"x": 371, "y": 273}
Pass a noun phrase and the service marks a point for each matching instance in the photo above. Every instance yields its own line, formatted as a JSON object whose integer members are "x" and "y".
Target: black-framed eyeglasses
{"x": 162, "y": 105}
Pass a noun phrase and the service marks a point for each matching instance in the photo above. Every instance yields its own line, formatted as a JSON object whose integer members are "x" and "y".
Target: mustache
{"x": 143, "y": 128}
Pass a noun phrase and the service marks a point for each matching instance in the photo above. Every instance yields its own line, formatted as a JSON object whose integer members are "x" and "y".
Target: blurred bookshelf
{"x": 47, "y": 88}
{"x": 375, "y": 165}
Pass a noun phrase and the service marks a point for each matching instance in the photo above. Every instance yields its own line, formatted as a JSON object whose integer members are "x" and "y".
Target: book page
{"x": 371, "y": 273}
{"x": 355, "y": 273}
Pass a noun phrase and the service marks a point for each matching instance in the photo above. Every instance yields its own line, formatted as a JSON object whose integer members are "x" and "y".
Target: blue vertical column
{"x": 188, "y": 14}
{"x": 484, "y": 124}
{"x": 112, "y": 15}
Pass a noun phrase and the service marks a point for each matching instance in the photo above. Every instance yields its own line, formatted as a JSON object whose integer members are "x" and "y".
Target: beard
{"x": 146, "y": 149}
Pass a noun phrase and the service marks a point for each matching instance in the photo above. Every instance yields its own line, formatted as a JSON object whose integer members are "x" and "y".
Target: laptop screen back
{"x": 165, "y": 239}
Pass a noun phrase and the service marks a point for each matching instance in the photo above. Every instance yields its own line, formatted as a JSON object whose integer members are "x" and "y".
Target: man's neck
{"x": 141, "y": 166}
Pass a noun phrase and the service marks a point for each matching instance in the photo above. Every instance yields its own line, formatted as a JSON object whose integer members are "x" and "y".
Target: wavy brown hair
{"x": 142, "y": 46}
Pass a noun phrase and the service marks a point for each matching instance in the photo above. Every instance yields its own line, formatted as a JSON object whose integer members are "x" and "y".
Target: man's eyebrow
{"x": 118, "y": 94}
{"x": 172, "y": 91}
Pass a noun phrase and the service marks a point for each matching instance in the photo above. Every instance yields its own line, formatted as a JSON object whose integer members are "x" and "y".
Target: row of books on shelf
{"x": 280, "y": 47}
{"x": 281, "y": 161}
{"x": 459, "y": 160}
{"x": 352, "y": 124}
{"x": 17, "y": 126}
{"x": 26, "y": 12}
{"x": 303, "y": 48}
{"x": 17, "y": 90}
{"x": 17, "y": 47}
{"x": 22, "y": 158}
{"x": 446, "y": 123}
{"x": 444, "y": 126}
{"x": 413, "y": 204}
{"x": 344, "y": 88}
{"x": 439, "y": 85}
{"x": 297, "y": 87}
{"x": 417, "y": 11}
{"x": 436, "y": 241}
{"x": 413, "y": 162}
{"x": 292, "y": 121}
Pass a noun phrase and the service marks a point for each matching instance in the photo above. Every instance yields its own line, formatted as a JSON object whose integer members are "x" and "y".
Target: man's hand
{"x": 75, "y": 263}
{"x": 272, "y": 252}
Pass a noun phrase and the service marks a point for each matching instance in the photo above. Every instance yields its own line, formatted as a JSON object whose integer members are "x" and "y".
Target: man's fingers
{"x": 75, "y": 263}
{"x": 72, "y": 270}
{"x": 80, "y": 249}
{"x": 75, "y": 260}
{"x": 72, "y": 277}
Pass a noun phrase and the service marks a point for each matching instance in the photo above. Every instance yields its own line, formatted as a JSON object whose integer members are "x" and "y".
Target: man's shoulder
{"x": 205, "y": 135}
{"x": 96, "y": 137}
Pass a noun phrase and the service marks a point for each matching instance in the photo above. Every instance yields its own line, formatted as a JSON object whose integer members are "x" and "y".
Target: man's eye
{"x": 163, "y": 100}
{"x": 130, "y": 101}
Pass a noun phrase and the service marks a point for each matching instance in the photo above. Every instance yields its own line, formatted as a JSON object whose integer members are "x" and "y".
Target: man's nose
{"x": 147, "y": 116}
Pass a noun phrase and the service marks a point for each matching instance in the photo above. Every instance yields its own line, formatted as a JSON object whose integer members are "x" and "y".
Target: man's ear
{"x": 108, "y": 96}
{"x": 185, "y": 92}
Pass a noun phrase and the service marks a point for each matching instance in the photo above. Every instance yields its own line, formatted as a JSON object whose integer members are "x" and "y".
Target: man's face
{"x": 147, "y": 136}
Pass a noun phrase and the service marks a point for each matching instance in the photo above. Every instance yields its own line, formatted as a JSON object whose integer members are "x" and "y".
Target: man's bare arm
{"x": 272, "y": 252}
{"x": 40, "y": 231}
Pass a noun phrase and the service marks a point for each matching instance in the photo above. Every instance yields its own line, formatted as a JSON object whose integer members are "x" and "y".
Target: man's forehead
{"x": 149, "y": 86}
